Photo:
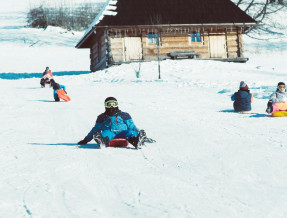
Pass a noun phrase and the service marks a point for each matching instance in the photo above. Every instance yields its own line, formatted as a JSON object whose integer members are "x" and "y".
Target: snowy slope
{"x": 207, "y": 162}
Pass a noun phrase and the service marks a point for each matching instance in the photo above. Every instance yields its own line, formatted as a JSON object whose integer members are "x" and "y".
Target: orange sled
{"x": 62, "y": 95}
{"x": 118, "y": 143}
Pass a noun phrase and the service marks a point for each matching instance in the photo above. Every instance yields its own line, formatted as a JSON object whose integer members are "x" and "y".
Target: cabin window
{"x": 152, "y": 38}
{"x": 195, "y": 36}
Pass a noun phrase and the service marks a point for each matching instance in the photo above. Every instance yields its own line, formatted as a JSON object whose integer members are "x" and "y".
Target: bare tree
{"x": 261, "y": 10}
{"x": 156, "y": 19}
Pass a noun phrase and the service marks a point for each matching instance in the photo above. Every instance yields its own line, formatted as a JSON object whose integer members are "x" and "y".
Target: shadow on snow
{"x": 228, "y": 111}
{"x": 260, "y": 115}
{"x": 256, "y": 115}
{"x": 15, "y": 76}
{"x": 50, "y": 101}
{"x": 88, "y": 146}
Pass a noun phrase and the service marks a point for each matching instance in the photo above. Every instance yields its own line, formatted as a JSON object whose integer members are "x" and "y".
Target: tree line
{"x": 76, "y": 18}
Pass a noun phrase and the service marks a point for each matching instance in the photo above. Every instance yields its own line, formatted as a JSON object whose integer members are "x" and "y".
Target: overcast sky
{"x": 24, "y": 5}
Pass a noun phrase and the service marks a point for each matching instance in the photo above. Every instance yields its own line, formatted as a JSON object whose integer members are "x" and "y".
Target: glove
{"x": 269, "y": 107}
{"x": 82, "y": 142}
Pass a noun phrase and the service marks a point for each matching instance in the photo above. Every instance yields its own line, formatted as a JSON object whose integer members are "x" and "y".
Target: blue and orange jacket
{"x": 120, "y": 121}
{"x": 55, "y": 91}
{"x": 242, "y": 100}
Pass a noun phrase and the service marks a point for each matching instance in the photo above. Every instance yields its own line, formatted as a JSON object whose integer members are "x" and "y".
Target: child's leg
{"x": 271, "y": 108}
{"x": 42, "y": 82}
{"x": 275, "y": 108}
{"x": 127, "y": 134}
{"x": 108, "y": 136}
{"x": 282, "y": 106}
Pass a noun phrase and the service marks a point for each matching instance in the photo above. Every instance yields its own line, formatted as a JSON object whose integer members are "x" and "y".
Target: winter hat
{"x": 243, "y": 86}
{"x": 47, "y": 70}
{"x": 110, "y": 99}
{"x": 280, "y": 84}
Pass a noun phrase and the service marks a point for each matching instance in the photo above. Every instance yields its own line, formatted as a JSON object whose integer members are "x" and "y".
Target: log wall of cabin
{"x": 240, "y": 45}
{"x": 234, "y": 44}
{"x": 170, "y": 42}
{"x": 98, "y": 52}
{"x": 117, "y": 49}
{"x": 173, "y": 41}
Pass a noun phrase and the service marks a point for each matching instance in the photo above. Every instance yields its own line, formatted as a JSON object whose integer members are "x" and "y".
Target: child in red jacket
{"x": 46, "y": 77}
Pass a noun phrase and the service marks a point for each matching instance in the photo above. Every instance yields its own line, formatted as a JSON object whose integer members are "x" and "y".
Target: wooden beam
{"x": 227, "y": 55}
{"x": 238, "y": 44}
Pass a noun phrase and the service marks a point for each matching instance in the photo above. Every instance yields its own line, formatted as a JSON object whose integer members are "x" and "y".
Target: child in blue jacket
{"x": 242, "y": 99}
{"x": 114, "y": 123}
{"x": 57, "y": 86}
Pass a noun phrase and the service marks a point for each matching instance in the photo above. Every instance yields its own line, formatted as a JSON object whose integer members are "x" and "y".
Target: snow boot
{"x": 138, "y": 141}
{"x": 269, "y": 107}
{"x": 99, "y": 139}
{"x": 142, "y": 138}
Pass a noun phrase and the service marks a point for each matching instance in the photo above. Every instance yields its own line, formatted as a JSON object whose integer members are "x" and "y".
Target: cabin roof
{"x": 119, "y": 13}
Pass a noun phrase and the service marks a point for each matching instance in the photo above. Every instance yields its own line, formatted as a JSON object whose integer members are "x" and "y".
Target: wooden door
{"x": 133, "y": 48}
{"x": 217, "y": 46}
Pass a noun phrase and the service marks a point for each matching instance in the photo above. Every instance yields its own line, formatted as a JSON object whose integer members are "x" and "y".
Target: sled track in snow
{"x": 149, "y": 161}
{"x": 24, "y": 202}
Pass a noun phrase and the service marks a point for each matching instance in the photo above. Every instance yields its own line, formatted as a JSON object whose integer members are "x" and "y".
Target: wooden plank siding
{"x": 232, "y": 45}
{"x": 98, "y": 53}
{"x": 117, "y": 49}
{"x": 108, "y": 47}
{"x": 169, "y": 42}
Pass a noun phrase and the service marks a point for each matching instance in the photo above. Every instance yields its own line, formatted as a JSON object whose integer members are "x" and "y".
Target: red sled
{"x": 119, "y": 143}
{"x": 63, "y": 95}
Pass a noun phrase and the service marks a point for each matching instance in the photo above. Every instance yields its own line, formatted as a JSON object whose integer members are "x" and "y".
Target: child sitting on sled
{"x": 242, "y": 99}
{"x": 57, "y": 86}
{"x": 278, "y": 100}
{"x": 112, "y": 124}
{"x": 46, "y": 77}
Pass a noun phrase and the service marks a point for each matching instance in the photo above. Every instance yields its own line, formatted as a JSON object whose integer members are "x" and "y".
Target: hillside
{"x": 207, "y": 160}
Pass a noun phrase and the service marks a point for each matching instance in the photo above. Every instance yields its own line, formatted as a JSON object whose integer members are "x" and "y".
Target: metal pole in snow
{"x": 158, "y": 55}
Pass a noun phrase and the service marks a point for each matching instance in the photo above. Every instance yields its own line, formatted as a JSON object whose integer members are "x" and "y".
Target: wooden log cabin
{"x": 145, "y": 30}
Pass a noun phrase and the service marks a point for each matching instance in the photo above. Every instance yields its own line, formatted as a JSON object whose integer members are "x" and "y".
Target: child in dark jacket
{"x": 242, "y": 99}
{"x": 114, "y": 123}
{"x": 57, "y": 86}
{"x": 47, "y": 76}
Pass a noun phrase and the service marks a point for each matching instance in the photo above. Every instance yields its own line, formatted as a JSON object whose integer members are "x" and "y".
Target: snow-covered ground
{"x": 207, "y": 162}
